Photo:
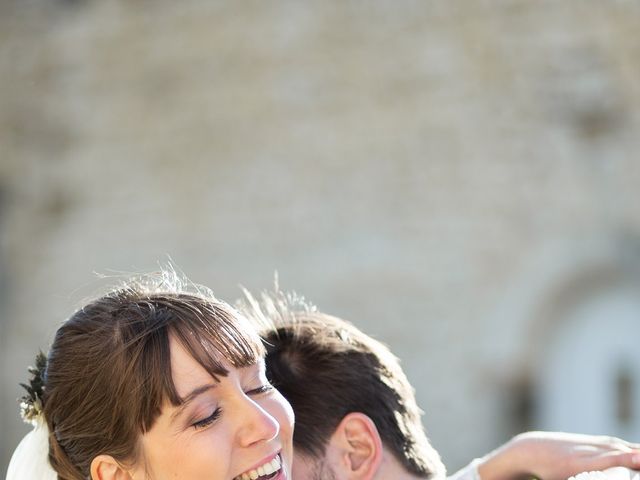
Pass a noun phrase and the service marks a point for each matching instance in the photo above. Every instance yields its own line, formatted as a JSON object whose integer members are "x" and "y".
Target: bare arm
{"x": 557, "y": 456}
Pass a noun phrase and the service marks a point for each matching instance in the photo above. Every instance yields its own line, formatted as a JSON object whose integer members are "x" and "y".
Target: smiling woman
{"x": 149, "y": 382}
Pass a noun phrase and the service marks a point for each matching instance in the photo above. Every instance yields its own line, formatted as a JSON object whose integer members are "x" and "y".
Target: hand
{"x": 557, "y": 456}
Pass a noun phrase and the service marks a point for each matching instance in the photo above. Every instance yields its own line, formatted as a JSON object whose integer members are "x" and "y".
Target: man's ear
{"x": 105, "y": 467}
{"x": 356, "y": 447}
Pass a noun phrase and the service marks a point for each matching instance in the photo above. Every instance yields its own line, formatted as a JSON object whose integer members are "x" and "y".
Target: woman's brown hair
{"x": 108, "y": 371}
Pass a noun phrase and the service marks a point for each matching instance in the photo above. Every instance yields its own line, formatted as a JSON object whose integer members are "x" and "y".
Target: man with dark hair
{"x": 357, "y": 417}
{"x": 342, "y": 382}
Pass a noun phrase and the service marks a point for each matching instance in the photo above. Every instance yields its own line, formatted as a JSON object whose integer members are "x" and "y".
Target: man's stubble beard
{"x": 322, "y": 471}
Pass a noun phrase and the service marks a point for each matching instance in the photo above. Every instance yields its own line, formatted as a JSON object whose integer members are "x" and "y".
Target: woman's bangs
{"x": 217, "y": 338}
{"x": 211, "y": 332}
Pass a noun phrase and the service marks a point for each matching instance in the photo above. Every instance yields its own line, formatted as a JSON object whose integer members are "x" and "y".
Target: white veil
{"x": 30, "y": 458}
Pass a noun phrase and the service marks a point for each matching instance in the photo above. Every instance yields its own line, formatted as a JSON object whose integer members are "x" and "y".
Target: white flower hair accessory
{"x": 31, "y": 403}
{"x": 30, "y": 458}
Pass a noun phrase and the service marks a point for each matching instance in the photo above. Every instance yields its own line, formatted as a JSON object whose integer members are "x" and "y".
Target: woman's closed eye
{"x": 267, "y": 387}
{"x": 205, "y": 422}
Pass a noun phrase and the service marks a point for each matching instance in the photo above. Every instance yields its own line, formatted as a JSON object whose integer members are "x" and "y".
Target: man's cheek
{"x": 299, "y": 469}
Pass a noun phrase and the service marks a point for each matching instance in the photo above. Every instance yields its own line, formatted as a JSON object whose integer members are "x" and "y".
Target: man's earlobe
{"x": 359, "y": 446}
{"x": 105, "y": 467}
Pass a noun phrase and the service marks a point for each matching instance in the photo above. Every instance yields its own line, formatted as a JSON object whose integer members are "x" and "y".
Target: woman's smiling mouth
{"x": 265, "y": 471}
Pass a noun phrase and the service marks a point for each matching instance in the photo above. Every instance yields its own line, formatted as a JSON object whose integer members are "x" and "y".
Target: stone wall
{"x": 432, "y": 171}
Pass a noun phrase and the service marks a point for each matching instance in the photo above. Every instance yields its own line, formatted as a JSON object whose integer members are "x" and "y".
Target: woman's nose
{"x": 256, "y": 424}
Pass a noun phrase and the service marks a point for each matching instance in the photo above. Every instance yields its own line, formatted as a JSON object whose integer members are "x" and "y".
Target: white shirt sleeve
{"x": 470, "y": 472}
{"x": 615, "y": 473}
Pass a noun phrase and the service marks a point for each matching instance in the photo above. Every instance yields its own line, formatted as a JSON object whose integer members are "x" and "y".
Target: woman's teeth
{"x": 262, "y": 471}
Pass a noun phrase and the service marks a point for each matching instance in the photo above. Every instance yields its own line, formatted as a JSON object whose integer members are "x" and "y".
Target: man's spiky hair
{"x": 326, "y": 368}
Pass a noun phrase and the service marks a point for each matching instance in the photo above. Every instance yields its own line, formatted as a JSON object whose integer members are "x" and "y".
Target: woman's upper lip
{"x": 266, "y": 459}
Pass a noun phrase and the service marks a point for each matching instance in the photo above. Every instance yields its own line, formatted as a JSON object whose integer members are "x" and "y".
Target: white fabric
{"x": 616, "y": 473}
{"x": 30, "y": 458}
{"x": 470, "y": 472}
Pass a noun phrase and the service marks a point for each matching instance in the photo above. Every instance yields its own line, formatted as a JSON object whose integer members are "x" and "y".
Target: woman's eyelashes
{"x": 205, "y": 422}
{"x": 264, "y": 388}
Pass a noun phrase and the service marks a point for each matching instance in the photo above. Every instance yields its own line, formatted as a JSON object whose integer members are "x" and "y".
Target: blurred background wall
{"x": 460, "y": 179}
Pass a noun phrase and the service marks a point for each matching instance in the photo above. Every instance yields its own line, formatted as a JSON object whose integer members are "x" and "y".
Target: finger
{"x": 614, "y": 445}
{"x": 616, "y": 459}
{"x": 604, "y": 441}
{"x": 616, "y": 442}
{"x": 591, "y": 452}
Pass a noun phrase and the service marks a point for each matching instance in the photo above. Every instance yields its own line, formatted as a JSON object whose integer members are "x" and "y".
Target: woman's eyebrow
{"x": 189, "y": 398}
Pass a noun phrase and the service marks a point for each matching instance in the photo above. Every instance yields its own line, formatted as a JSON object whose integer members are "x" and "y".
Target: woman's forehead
{"x": 188, "y": 373}
{"x": 186, "y": 370}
